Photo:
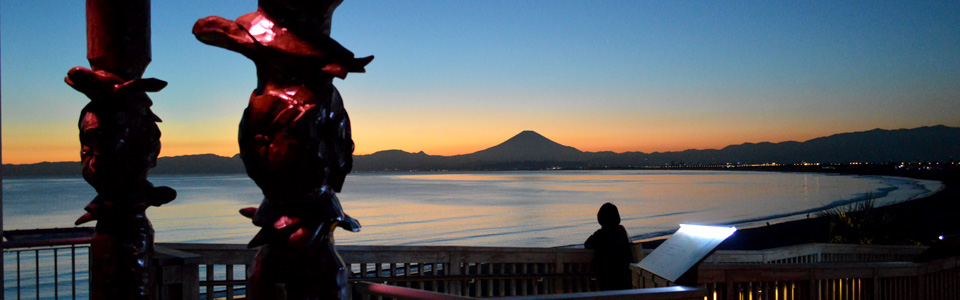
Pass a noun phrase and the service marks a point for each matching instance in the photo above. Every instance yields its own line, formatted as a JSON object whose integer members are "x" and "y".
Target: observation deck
{"x": 218, "y": 271}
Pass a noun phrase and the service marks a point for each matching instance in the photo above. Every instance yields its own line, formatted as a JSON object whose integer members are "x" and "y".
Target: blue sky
{"x": 453, "y": 77}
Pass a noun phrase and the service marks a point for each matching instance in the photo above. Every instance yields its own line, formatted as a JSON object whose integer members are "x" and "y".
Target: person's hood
{"x": 608, "y": 215}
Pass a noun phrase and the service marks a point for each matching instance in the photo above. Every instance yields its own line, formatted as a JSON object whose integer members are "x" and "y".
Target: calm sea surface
{"x": 536, "y": 208}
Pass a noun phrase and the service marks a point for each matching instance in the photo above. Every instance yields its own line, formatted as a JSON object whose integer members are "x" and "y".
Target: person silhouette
{"x": 612, "y": 251}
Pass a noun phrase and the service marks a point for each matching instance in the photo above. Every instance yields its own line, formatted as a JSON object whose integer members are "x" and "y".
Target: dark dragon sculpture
{"x": 120, "y": 142}
{"x": 295, "y": 142}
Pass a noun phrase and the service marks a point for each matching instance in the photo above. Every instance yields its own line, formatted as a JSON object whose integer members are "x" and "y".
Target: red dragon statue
{"x": 120, "y": 142}
{"x": 295, "y": 143}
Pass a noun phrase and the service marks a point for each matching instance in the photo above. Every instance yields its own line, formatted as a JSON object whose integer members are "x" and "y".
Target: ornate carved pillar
{"x": 295, "y": 143}
{"x": 120, "y": 142}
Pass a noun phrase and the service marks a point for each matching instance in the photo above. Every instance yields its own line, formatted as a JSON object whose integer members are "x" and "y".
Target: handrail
{"x": 46, "y": 237}
{"x": 817, "y": 253}
{"x": 485, "y": 271}
{"x": 939, "y": 279}
{"x": 465, "y": 271}
{"x": 395, "y": 292}
{"x": 476, "y": 271}
{"x": 662, "y": 293}
{"x": 784, "y": 272}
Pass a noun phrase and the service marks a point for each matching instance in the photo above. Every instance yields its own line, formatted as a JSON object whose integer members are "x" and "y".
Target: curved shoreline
{"x": 920, "y": 219}
{"x": 880, "y": 195}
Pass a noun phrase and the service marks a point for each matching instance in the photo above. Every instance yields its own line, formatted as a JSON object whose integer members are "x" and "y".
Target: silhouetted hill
{"x": 936, "y": 143}
{"x": 526, "y": 146}
{"x": 530, "y": 150}
{"x": 924, "y": 144}
{"x": 397, "y": 160}
{"x": 64, "y": 168}
{"x": 187, "y": 164}
{"x": 199, "y": 164}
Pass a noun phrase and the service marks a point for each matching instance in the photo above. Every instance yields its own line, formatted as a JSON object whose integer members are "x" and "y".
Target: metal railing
{"x": 939, "y": 279}
{"x": 823, "y": 271}
{"x": 366, "y": 290}
{"x": 54, "y": 268}
{"x": 47, "y": 263}
{"x": 465, "y": 271}
{"x": 202, "y": 271}
{"x": 474, "y": 271}
{"x": 817, "y": 253}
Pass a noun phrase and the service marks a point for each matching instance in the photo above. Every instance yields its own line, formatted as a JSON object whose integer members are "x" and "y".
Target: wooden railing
{"x": 474, "y": 271}
{"x": 823, "y": 271}
{"x": 47, "y": 263}
{"x": 369, "y": 290}
{"x": 817, "y": 253}
{"x": 465, "y": 271}
{"x": 813, "y": 271}
{"x": 874, "y": 280}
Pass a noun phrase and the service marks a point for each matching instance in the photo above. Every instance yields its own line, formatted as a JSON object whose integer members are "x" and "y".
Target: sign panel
{"x": 684, "y": 249}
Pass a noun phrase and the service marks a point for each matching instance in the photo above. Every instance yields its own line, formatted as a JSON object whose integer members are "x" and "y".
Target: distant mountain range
{"x": 529, "y": 150}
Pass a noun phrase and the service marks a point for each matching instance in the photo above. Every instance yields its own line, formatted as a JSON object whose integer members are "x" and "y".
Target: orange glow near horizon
{"x": 19, "y": 151}
{"x": 58, "y": 142}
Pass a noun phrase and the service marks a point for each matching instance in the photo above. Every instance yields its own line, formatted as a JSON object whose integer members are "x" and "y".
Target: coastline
{"x": 917, "y": 221}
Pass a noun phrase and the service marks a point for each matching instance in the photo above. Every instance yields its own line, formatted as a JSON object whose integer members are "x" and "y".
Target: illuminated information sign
{"x": 683, "y": 250}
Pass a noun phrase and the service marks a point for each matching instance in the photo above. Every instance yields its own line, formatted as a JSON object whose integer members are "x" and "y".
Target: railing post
{"x": 557, "y": 286}
{"x": 921, "y": 291}
{"x": 731, "y": 286}
{"x": 190, "y": 285}
{"x": 179, "y": 274}
{"x": 876, "y": 283}
{"x": 453, "y": 267}
{"x": 814, "y": 292}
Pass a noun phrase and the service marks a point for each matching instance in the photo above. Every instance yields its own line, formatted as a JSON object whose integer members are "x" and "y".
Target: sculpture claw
{"x": 141, "y": 85}
{"x": 161, "y": 195}
{"x": 248, "y": 212}
{"x": 355, "y": 65}
{"x": 360, "y": 63}
{"x": 258, "y": 240}
{"x": 350, "y": 224}
{"x": 87, "y": 217}
{"x": 336, "y": 70}
{"x": 94, "y": 84}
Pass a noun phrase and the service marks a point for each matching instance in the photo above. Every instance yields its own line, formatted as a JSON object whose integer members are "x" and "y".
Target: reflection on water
{"x": 538, "y": 208}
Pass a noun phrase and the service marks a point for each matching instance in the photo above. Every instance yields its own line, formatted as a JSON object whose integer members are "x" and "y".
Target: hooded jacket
{"x": 613, "y": 253}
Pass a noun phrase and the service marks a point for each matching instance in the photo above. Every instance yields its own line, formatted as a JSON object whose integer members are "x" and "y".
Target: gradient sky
{"x": 454, "y": 77}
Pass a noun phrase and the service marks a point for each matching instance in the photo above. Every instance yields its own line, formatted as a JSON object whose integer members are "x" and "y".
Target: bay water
{"x": 517, "y": 208}
{"x": 509, "y": 208}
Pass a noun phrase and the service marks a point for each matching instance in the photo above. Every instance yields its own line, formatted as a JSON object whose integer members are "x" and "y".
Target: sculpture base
{"x": 284, "y": 272}
{"x": 121, "y": 262}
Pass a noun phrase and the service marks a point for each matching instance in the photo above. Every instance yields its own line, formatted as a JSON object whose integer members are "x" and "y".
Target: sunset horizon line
{"x": 522, "y": 131}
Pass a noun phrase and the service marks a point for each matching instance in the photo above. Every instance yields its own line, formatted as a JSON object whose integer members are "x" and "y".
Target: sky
{"x": 455, "y": 77}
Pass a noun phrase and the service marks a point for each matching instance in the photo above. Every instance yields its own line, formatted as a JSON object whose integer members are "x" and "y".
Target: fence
{"x": 824, "y": 271}
{"x": 366, "y": 290}
{"x": 46, "y": 263}
{"x": 465, "y": 271}
{"x": 875, "y": 280}
{"x": 817, "y": 253}
{"x": 218, "y": 271}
